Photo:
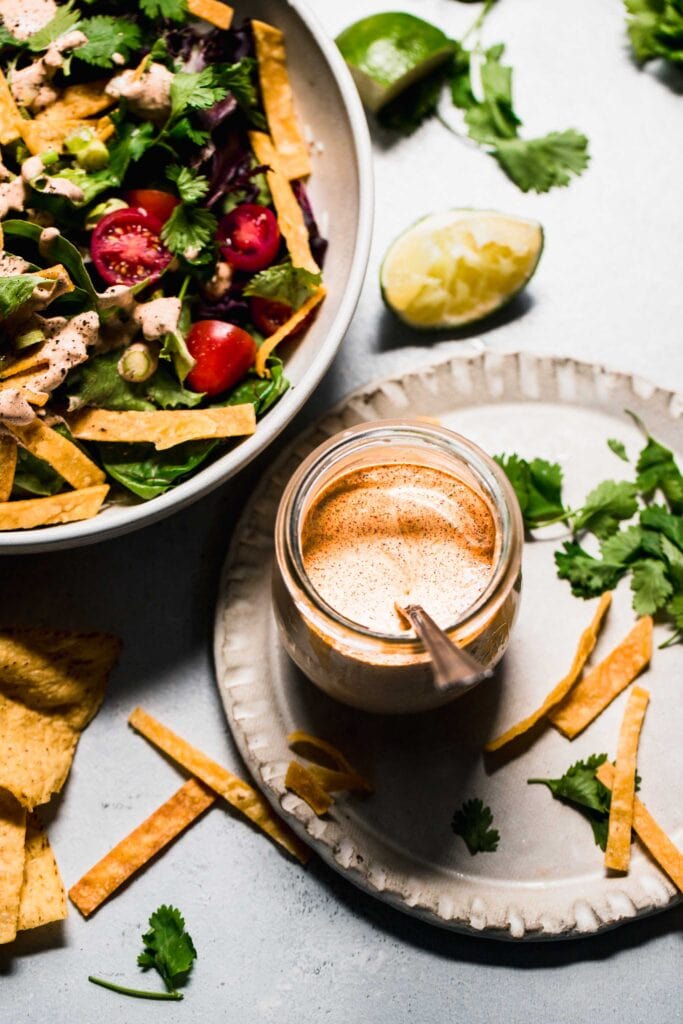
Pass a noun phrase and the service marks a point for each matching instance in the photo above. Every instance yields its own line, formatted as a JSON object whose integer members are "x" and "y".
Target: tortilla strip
{"x": 59, "y": 452}
{"x": 289, "y": 216}
{"x": 43, "y": 899}
{"x": 164, "y": 429}
{"x": 12, "y": 839}
{"x": 278, "y": 101}
{"x": 301, "y": 781}
{"x": 602, "y": 684}
{"x": 587, "y": 642}
{"x": 141, "y": 845}
{"x": 652, "y": 836}
{"x": 10, "y": 117}
{"x": 68, "y": 507}
{"x": 8, "y": 465}
{"x": 52, "y": 683}
{"x": 36, "y": 361}
{"x": 213, "y": 11}
{"x": 234, "y": 790}
{"x": 326, "y": 756}
{"x": 104, "y": 128}
{"x": 76, "y": 101}
{"x": 282, "y": 332}
{"x": 333, "y": 781}
{"x": 618, "y": 851}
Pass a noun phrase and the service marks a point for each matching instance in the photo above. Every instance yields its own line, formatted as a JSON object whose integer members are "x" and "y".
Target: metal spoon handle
{"x": 453, "y": 667}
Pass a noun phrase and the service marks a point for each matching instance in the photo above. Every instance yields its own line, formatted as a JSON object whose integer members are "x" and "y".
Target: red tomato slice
{"x": 160, "y": 204}
{"x": 249, "y": 237}
{"x": 222, "y": 352}
{"x": 267, "y": 315}
{"x": 126, "y": 247}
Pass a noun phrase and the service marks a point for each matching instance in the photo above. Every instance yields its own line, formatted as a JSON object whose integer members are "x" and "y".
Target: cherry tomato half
{"x": 249, "y": 237}
{"x": 160, "y": 204}
{"x": 126, "y": 247}
{"x": 267, "y": 315}
{"x": 222, "y": 352}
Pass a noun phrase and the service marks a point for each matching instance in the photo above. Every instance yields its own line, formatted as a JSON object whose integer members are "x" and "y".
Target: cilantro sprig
{"x": 284, "y": 283}
{"x": 473, "y": 823}
{"x": 168, "y": 949}
{"x": 655, "y": 28}
{"x": 108, "y": 35}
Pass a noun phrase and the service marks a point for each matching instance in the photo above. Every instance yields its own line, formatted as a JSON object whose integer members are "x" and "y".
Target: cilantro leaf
{"x": 168, "y": 948}
{"x": 673, "y": 556}
{"x": 16, "y": 290}
{"x": 284, "y": 283}
{"x": 676, "y": 610}
{"x": 183, "y": 130}
{"x": 190, "y": 232}
{"x": 240, "y": 80}
{"x": 460, "y": 78}
{"x": 195, "y": 90}
{"x": 537, "y": 165}
{"x": 538, "y": 486}
{"x": 493, "y": 118}
{"x": 174, "y": 10}
{"x": 191, "y": 186}
{"x": 472, "y": 822}
{"x": 658, "y": 469}
{"x": 658, "y": 518}
{"x": 64, "y": 20}
{"x": 106, "y": 36}
{"x": 605, "y": 506}
{"x": 655, "y": 28}
{"x": 650, "y": 586}
{"x": 588, "y": 576}
{"x": 622, "y": 546}
{"x": 618, "y": 448}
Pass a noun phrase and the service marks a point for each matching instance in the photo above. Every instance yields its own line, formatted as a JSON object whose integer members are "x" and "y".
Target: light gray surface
{"x": 278, "y": 944}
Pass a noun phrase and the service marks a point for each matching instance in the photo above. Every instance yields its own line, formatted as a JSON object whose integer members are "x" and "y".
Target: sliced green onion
{"x": 94, "y": 157}
{"x": 101, "y": 210}
{"x": 137, "y": 363}
{"x": 49, "y": 157}
{"x": 79, "y": 140}
{"x": 29, "y": 338}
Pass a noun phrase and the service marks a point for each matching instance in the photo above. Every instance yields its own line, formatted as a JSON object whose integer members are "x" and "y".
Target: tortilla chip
{"x": 43, "y": 899}
{"x": 213, "y": 11}
{"x": 618, "y": 851}
{"x": 289, "y": 216}
{"x": 8, "y": 465}
{"x": 282, "y": 332}
{"x": 164, "y": 429}
{"x": 12, "y": 840}
{"x": 104, "y": 128}
{"x": 51, "y": 685}
{"x": 138, "y": 848}
{"x": 68, "y": 507}
{"x": 301, "y": 781}
{"x": 70, "y": 113}
{"x": 587, "y": 643}
{"x": 234, "y": 790}
{"x": 651, "y": 835}
{"x": 602, "y": 684}
{"x": 83, "y": 100}
{"x": 10, "y": 117}
{"x": 278, "y": 101}
{"x": 60, "y": 453}
{"x": 36, "y": 361}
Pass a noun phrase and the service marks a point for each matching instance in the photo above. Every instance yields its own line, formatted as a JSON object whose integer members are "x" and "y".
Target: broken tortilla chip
{"x": 289, "y": 215}
{"x": 164, "y": 429}
{"x": 51, "y": 685}
{"x": 618, "y": 850}
{"x": 652, "y": 836}
{"x": 301, "y": 781}
{"x": 213, "y": 11}
{"x": 587, "y": 643}
{"x": 83, "y": 100}
{"x": 67, "y": 507}
{"x": 143, "y": 843}
{"x": 43, "y": 899}
{"x": 12, "y": 856}
{"x": 59, "y": 452}
{"x": 602, "y": 684}
{"x": 278, "y": 101}
{"x": 286, "y": 329}
{"x": 36, "y": 361}
{"x": 8, "y": 465}
{"x": 234, "y": 790}
{"x": 10, "y": 116}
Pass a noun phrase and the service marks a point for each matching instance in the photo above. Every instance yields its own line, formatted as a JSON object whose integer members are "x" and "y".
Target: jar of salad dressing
{"x": 384, "y": 515}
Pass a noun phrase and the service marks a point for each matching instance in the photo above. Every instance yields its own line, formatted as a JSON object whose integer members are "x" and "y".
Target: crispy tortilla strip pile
{"x": 55, "y": 449}
{"x": 587, "y": 643}
{"x": 329, "y": 772}
{"x": 76, "y": 109}
{"x": 278, "y": 101}
{"x": 138, "y": 848}
{"x": 618, "y": 851}
{"x": 164, "y": 429}
{"x": 51, "y": 685}
{"x": 606, "y": 681}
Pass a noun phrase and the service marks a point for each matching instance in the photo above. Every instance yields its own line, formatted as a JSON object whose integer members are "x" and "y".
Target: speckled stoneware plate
{"x": 546, "y": 879}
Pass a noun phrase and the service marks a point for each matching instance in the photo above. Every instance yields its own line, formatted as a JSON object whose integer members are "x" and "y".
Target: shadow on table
{"x": 494, "y": 952}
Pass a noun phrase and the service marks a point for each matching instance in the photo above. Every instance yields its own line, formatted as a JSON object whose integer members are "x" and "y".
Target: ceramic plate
{"x": 341, "y": 192}
{"x": 546, "y": 879}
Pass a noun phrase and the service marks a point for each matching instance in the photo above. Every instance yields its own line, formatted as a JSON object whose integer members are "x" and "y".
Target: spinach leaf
{"x": 22, "y": 238}
{"x": 147, "y": 472}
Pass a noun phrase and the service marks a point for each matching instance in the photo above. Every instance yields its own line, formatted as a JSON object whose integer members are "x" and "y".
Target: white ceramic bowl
{"x": 341, "y": 193}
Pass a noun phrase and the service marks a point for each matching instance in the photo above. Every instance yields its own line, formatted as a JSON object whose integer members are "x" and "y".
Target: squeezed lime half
{"x": 457, "y": 267}
{"x": 387, "y": 53}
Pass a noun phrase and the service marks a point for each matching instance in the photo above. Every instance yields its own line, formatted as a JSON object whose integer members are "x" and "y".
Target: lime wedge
{"x": 457, "y": 267}
{"x": 386, "y": 53}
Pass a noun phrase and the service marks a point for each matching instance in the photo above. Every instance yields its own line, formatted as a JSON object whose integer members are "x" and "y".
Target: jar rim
{"x": 487, "y": 473}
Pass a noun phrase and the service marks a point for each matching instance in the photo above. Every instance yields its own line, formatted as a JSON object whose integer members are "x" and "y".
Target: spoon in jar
{"x": 453, "y": 668}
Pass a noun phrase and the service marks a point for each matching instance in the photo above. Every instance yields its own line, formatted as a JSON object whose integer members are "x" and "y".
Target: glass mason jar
{"x": 391, "y": 673}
